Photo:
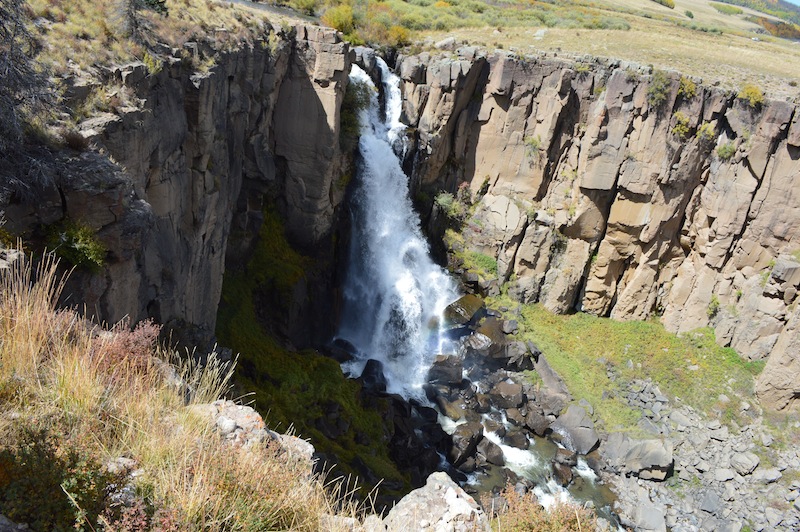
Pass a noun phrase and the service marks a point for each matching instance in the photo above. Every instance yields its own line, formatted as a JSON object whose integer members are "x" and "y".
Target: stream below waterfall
{"x": 395, "y": 294}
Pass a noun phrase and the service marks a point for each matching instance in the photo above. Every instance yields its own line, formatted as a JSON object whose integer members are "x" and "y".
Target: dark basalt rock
{"x": 562, "y": 474}
{"x": 516, "y": 438}
{"x": 506, "y": 394}
{"x": 492, "y": 452}
{"x": 372, "y": 377}
{"x": 465, "y": 441}
{"x": 446, "y": 370}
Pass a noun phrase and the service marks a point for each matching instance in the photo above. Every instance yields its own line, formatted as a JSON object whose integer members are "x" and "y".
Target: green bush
{"x": 713, "y": 306}
{"x": 341, "y": 18}
{"x": 78, "y": 244}
{"x": 308, "y": 7}
{"x": 725, "y": 151}
{"x": 658, "y": 90}
{"x": 681, "y": 127}
{"x": 48, "y": 487}
{"x": 688, "y": 14}
{"x": 752, "y": 94}
{"x": 706, "y": 132}
{"x": 687, "y": 88}
{"x": 356, "y": 99}
{"x": 451, "y": 206}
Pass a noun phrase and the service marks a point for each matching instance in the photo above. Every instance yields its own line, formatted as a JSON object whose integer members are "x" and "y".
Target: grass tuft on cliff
{"x": 583, "y": 348}
{"x": 75, "y": 397}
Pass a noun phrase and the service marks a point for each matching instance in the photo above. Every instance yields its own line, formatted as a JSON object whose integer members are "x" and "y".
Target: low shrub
{"x": 687, "y": 88}
{"x": 78, "y": 244}
{"x": 752, "y": 94}
{"x": 681, "y": 127}
{"x": 658, "y": 90}
{"x": 688, "y": 13}
{"x": 341, "y": 18}
{"x": 706, "y": 132}
{"x": 726, "y": 150}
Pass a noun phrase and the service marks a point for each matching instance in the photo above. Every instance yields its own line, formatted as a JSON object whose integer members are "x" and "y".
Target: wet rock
{"x": 576, "y": 430}
{"x": 439, "y": 505}
{"x": 515, "y": 416}
{"x": 464, "y": 310}
{"x": 562, "y": 474}
{"x": 482, "y": 403}
{"x": 454, "y": 409}
{"x": 516, "y": 438}
{"x": 465, "y": 441}
{"x": 566, "y": 457}
{"x": 492, "y": 452}
{"x": 506, "y": 394}
{"x": 537, "y": 423}
{"x": 373, "y": 377}
{"x": 340, "y": 350}
{"x": 492, "y": 425}
{"x": 446, "y": 370}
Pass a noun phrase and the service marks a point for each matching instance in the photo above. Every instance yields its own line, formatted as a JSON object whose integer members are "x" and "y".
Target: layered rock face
{"x": 611, "y": 189}
{"x": 190, "y": 161}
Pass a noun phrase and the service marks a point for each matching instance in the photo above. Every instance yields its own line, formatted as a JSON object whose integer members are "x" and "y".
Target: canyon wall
{"x": 605, "y": 187}
{"x": 591, "y": 193}
{"x": 182, "y": 169}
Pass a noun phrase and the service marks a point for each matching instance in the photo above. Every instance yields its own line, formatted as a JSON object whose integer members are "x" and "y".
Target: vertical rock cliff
{"x": 185, "y": 167}
{"x": 612, "y": 189}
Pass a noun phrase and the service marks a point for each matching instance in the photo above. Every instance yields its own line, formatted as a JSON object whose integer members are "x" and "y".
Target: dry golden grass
{"x": 85, "y": 33}
{"x": 99, "y": 395}
{"x": 732, "y": 58}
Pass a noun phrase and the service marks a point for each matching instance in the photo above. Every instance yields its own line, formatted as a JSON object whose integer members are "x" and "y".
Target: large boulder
{"x": 438, "y": 506}
{"x": 446, "y": 369}
{"x": 576, "y": 429}
{"x": 373, "y": 377}
{"x": 492, "y": 452}
{"x": 744, "y": 463}
{"x": 648, "y": 459}
{"x": 506, "y": 394}
{"x": 464, "y": 310}
{"x": 465, "y": 442}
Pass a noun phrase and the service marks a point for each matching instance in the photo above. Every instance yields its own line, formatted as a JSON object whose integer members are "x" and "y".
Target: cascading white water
{"x": 394, "y": 293}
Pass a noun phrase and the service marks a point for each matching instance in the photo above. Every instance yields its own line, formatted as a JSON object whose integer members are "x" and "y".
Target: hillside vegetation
{"x": 98, "y": 429}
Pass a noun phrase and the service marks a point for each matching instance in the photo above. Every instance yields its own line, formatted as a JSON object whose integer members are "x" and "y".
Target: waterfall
{"x": 394, "y": 293}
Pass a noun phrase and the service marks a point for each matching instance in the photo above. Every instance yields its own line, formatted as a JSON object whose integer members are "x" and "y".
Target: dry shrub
{"x": 124, "y": 350}
{"x": 525, "y": 514}
{"x": 74, "y": 140}
{"x": 108, "y": 394}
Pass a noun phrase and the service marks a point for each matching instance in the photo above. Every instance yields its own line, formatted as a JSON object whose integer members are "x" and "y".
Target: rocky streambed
{"x": 490, "y": 426}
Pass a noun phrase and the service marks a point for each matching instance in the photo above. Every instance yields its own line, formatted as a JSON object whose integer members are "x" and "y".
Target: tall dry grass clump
{"x": 97, "y": 429}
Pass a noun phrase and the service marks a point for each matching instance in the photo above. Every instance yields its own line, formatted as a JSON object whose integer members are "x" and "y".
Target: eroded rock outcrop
{"x": 603, "y": 190}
